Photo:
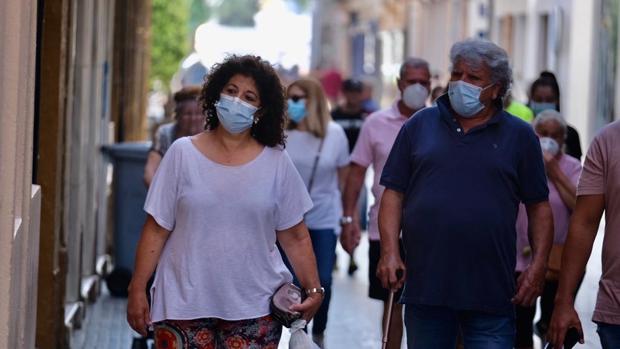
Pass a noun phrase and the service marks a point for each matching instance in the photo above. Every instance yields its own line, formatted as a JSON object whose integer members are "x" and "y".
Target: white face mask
{"x": 549, "y": 146}
{"x": 414, "y": 96}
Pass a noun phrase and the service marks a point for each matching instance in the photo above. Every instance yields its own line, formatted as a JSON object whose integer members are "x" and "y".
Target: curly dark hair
{"x": 269, "y": 130}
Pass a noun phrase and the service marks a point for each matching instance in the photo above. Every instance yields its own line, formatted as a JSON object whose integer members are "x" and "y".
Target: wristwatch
{"x": 346, "y": 220}
{"x": 319, "y": 290}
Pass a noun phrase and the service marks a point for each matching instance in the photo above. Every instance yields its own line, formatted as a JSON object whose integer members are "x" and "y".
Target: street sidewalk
{"x": 354, "y": 319}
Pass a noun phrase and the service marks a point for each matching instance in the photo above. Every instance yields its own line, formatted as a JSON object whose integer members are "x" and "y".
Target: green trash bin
{"x": 128, "y": 160}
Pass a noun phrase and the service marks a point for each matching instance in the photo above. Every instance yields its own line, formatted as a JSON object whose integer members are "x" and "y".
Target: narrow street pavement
{"x": 354, "y": 319}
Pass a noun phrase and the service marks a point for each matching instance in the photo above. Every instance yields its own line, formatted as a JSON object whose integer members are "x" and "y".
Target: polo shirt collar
{"x": 395, "y": 112}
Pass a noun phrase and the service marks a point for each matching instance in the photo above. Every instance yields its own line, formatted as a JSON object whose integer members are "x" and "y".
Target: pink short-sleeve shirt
{"x": 373, "y": 148}
{"x": 601, "y": 175}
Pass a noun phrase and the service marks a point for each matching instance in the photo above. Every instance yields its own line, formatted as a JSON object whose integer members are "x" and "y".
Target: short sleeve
{"x": 533, "y": 187}
{"x": 362, "y": 152}
{"x": 161, "y": 199}
{"x": 158, "y": 141}
{"x": 397, "y": 171}
{"x": 293, "y": 200}
{"x": 592, "y": 180}
{"x": 342, "y": 153}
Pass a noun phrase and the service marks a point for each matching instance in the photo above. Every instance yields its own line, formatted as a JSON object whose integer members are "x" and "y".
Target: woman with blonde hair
{"x": 320, "y": 152}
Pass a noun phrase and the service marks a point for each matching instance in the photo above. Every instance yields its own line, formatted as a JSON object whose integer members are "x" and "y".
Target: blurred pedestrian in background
{"x": 216, "y": 206}
{"x": 454, "y": 179}
{"x": 376, "y": 138}
{"x": 562, "y": 177}
{"x": 545, "y": 94}
{"x": 368, "y": 102}
{"x": 350, "y": 114}
{"x": 518, "y": 109}
{"x": 188, "y": 121}
{"x": 598, "y": 192}
{"x": 320, "y": 151}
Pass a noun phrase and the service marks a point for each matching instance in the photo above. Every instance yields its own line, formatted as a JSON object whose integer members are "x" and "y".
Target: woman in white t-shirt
{"x": 217, "y": 204}
{"x": 320, "y": 151}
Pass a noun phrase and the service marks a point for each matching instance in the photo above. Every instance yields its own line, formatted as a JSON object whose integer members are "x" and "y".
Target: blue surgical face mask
{"x": 465, "y": 98}
{"x": 296, "y": 110}
{"x": 538, "y": 107}
{"x": 234, "y": 114}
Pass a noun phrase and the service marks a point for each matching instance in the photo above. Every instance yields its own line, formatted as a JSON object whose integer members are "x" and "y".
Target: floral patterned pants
{"x": 212, "y": 333}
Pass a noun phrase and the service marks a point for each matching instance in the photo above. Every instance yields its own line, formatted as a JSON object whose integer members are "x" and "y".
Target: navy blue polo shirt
{"x": 461, "y": 196}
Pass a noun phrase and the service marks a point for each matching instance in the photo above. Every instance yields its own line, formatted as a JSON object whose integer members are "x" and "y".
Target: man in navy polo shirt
{"x": 454, "y": 180}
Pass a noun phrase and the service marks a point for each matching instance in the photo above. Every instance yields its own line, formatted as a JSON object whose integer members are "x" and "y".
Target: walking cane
{"x": 388, "y": 321}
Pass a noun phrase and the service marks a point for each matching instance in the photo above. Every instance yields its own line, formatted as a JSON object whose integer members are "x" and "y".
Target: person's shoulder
{"x": 610, "y": 131}
{"x": 379, "y": 116}
{"x": 376, "y": 115}
{"x": 276, "y": 153}
{"x": 166, "y": 129}
{"x": 179, "y": 145}
{"x": 423, "y": 116}
{"x": 333, "y": 126}
{"x": 515, "y": 124}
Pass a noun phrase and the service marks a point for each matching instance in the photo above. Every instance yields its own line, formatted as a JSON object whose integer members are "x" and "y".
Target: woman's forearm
{"x": 297, "y": 245}
{"x": 149, "y": 249}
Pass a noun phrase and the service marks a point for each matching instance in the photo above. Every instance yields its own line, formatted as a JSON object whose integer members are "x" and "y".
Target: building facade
{"x": 371, "y": 38}
{"x": 72, "y": 78}
{"x": 578, "y": 41}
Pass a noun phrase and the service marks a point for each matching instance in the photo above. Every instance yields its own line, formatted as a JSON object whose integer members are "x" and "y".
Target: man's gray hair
{"x": 414, "y": 63}
{"x": 479, "y": 52}
{"x": 550, "y": 115}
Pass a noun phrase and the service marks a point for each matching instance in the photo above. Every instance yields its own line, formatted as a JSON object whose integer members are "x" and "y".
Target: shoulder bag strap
{"x": 316, "y": 162}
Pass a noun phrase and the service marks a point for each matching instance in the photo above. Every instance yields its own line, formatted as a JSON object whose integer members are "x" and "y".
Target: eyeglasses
{"x": 296, "y": 98}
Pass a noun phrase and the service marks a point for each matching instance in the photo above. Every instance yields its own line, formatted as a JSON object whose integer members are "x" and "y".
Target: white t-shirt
{"x": 220, "y": 259}
{"x": 303, "y": 148}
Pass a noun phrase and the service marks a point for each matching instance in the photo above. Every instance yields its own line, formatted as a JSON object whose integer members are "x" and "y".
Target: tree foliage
{"x": 169, "y": 38}
{"x": 199, "y": 13}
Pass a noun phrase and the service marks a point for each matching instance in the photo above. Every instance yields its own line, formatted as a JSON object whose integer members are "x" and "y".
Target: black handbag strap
{"x": 316, "y": 162}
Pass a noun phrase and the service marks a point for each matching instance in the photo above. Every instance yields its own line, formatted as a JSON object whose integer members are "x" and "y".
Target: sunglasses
{"x": 296, "y": 98}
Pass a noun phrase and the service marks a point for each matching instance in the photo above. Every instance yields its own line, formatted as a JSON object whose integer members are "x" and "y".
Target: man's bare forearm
{"x": 390, "y": 215}
{"x": 540, "y": 223}
{"x": 581, "y": 234}
{"x": 352, "y": 188}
